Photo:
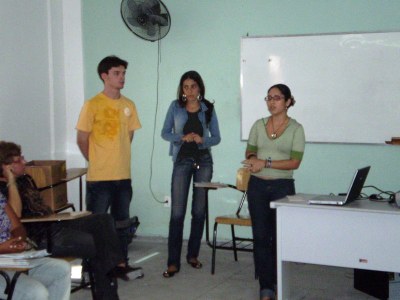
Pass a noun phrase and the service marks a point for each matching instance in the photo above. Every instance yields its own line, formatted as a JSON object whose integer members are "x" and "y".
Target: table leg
{"x": 207, "y": 221}
{"x": 80, "y": 193}
{"x": 283, "y": 280}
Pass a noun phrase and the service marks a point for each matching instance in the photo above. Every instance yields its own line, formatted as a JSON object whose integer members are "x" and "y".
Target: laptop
{"x": 352, "y": 194}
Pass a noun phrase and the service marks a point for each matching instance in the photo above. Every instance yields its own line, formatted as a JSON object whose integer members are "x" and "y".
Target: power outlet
{"x": 167, "y": 201}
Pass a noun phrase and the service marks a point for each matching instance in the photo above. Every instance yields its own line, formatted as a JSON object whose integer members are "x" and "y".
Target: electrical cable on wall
{"x": 155, "y": 123}
{"x": 149, "y": 20}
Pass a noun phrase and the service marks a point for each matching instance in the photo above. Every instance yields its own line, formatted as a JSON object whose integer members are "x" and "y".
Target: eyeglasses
{"x": 275, "y": 98}
{"x": 19, "y": 159}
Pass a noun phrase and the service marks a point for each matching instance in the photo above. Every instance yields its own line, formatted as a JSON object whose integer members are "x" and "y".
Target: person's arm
{"x": 215, "y": 136}
{"x": 256, "y": 165}
{"x": 168, "y": 132}
{"x": 14, "y": 199}
{"x": 83, "y": 143}
{"x": 18, "y": 234}
{"x": 17, "y": 229}
{"x": 13, "y": 245}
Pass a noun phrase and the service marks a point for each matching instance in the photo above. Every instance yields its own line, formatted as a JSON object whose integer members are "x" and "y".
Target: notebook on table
{"x": 352, "y": 194}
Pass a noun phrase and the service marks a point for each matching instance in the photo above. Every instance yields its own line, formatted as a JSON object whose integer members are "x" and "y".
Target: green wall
{"x": 205, "y": 36}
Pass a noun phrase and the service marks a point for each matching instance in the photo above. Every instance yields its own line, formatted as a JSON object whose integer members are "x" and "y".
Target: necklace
{"x": 274, "y": 133}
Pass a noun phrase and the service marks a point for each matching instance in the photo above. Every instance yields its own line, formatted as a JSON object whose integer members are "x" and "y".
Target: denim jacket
{"x": 176, "y": 119}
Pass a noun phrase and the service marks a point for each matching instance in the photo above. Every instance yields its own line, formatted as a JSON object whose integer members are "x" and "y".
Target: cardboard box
{"x": 56, "y": 196}
{"x": 46, "y": 172}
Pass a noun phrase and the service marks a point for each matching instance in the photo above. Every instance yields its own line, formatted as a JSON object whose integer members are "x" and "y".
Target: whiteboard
{"x": 346, "y": 86}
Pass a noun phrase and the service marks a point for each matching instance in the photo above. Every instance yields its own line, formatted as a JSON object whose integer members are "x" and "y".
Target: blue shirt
{"x": 175, "y": 121}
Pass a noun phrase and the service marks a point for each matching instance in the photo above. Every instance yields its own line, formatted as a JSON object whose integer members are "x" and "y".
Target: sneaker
{"x": 127, "y": 273}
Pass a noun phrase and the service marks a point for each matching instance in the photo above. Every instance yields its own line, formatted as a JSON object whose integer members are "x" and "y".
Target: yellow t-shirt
{"x": 109, "y": 122}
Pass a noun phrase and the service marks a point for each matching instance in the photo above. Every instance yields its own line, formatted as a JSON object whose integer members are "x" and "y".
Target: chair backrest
{"x": 242, "y": 179}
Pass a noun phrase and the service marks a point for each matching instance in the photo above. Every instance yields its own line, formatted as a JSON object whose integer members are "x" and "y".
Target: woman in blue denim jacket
{"x": 191, "y": 127}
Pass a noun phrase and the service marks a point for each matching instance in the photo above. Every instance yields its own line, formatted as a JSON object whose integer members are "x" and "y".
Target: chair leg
{"x": 214, "y": 248}
{"x": 92, "y": 283}
{"x": 234, "y": 242}
{"x": 13, "y": 283}
{"x": 91, "y": 278}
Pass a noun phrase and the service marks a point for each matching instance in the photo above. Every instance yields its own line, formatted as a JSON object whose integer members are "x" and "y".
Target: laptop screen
{"x": 357, "y": 184}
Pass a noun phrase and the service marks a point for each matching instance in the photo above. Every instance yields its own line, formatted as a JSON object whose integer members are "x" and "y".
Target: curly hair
{"x": 7, "y": 151}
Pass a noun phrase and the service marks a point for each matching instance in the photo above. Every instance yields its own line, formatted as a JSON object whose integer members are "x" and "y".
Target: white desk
{"x": 362, "y": 235}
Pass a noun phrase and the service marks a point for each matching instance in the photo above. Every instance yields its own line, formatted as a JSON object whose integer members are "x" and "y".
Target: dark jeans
{"x": 114, "y": 195}
{"x": 260, "y": 193}
{"x": 94, "y": 239}
{"x": 184, "y": 170}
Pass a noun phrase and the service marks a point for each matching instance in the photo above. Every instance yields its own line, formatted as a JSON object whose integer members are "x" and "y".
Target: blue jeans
{"x": 260, "y": 193}
{"x": 184, "y": 170}
{"x": 115, "y": 195}
{"x": 49, "y": 280}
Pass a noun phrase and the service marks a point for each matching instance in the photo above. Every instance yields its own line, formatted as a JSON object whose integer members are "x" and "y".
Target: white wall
{"x": 25, "y": 91}
{"x": 41, "y": 72}
{"x": 42, "y": 78}
{"x": 205, "y": 36}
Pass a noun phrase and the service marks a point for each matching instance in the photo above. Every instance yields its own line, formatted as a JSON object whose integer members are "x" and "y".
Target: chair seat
{"x": 234, "y": 220}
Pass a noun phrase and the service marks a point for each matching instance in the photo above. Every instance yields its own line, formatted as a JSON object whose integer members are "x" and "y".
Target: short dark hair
{"x": 7, "y": 152}
{"x": 109, "y": 62}
{"x": 285, "y": 90}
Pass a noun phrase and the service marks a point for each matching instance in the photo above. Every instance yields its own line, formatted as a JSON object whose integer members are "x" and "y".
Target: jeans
{"x": 184, "y": 170}
{"x": 116, "y": 195}
{"x": 260, "y": 193}
{"x": 50, "y": 280}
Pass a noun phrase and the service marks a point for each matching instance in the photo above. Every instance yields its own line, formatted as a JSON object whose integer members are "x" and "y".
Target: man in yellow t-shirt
{"x": 106, "y": 126}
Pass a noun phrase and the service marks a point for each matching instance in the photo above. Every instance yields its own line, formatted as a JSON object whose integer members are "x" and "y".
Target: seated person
{"x": 93, "y": 237}
{"x": 50, "y": 279}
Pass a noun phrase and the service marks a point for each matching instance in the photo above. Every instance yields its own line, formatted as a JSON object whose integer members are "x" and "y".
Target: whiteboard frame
{"x": 364, "y": 120}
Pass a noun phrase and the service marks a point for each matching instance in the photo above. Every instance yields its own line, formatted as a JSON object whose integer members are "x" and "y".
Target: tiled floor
{"x": 232, "y": 280}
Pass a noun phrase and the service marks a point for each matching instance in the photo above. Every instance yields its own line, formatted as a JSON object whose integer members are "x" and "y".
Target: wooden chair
{"x": 237, "y": 243}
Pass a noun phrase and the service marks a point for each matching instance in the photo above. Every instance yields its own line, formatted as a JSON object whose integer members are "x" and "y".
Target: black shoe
{"x": 170, "y": 273}
{"x": 195, "y": 263}
{"x": 127, "y": 272}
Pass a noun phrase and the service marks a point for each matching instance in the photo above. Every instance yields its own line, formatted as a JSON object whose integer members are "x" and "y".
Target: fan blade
{"x": 134, "y": 9}
{"x": 158, "y": 19}
{"x": 152, "y": 30}
{"x": 152, "y": 5}
{"x": 133, "y": 21}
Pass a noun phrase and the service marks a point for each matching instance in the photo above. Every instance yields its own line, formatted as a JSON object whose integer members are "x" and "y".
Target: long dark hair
{"x": 197, "y": 78}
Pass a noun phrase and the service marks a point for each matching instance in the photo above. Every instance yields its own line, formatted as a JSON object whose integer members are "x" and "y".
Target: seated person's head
{"x": 10, "y": 154}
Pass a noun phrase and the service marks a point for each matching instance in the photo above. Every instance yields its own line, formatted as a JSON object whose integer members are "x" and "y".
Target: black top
{"x": 191, "y": 149}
